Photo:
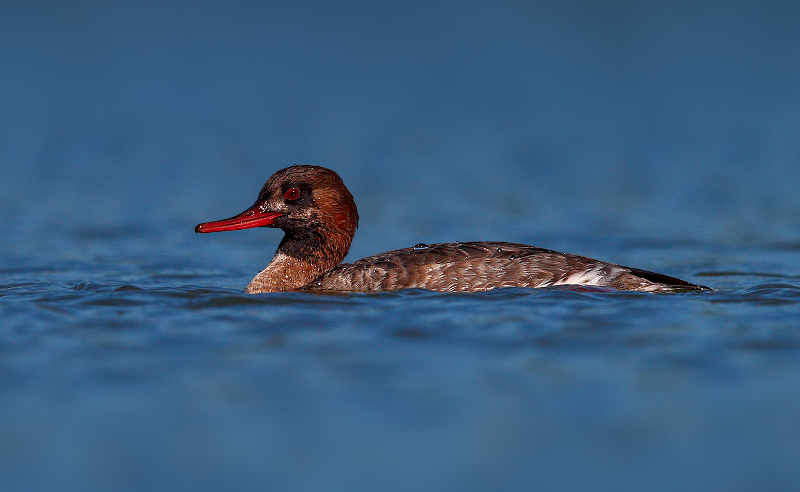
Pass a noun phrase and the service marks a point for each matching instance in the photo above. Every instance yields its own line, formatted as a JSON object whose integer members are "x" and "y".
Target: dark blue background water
{"x": 659, "y": 135}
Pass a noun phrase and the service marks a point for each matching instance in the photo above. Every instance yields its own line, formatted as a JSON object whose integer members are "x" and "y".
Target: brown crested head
{"x": 309, "y": 198}
{"x": 310, "y": 203}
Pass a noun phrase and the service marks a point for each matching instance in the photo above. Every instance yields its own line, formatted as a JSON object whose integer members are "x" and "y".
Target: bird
{"x": 318, "y": 215}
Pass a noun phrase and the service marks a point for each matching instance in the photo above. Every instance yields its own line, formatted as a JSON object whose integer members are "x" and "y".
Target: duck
{"x": 319, "y": 218}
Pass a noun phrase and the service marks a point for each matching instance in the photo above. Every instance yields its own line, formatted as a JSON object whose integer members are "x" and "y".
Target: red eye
{"x": 292, "y": 194}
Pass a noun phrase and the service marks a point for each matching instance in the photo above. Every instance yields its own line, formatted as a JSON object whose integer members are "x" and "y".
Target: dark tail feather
{"x": 667, "y": 280}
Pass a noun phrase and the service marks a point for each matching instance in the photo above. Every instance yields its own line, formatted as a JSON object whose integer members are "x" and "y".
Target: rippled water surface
{"x": 153, "y": 367}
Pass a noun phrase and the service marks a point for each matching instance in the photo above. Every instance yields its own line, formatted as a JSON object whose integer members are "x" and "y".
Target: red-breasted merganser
{"x": 319, "y": 217}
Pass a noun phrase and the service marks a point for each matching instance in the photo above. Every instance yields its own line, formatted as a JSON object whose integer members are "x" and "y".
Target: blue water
{"x": 664, "y": 137}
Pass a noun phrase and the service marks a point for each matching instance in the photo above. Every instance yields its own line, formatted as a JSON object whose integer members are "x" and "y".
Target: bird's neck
{"x": 300, "y": 259}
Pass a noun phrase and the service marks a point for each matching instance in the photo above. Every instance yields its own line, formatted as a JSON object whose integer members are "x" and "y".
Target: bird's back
{"x": 482, "y": 266}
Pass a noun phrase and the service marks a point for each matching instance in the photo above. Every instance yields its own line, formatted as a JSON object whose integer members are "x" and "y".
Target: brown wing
{"x": 479, "y": 266}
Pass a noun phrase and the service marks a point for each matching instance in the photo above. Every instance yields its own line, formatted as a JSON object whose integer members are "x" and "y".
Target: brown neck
{"x": 300, "y": 260}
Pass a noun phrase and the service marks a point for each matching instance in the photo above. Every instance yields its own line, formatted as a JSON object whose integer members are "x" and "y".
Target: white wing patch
{"x": 595, "y": 276}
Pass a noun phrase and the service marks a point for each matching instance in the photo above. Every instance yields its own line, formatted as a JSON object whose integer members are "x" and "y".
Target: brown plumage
{"x": 319, "y": 216}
